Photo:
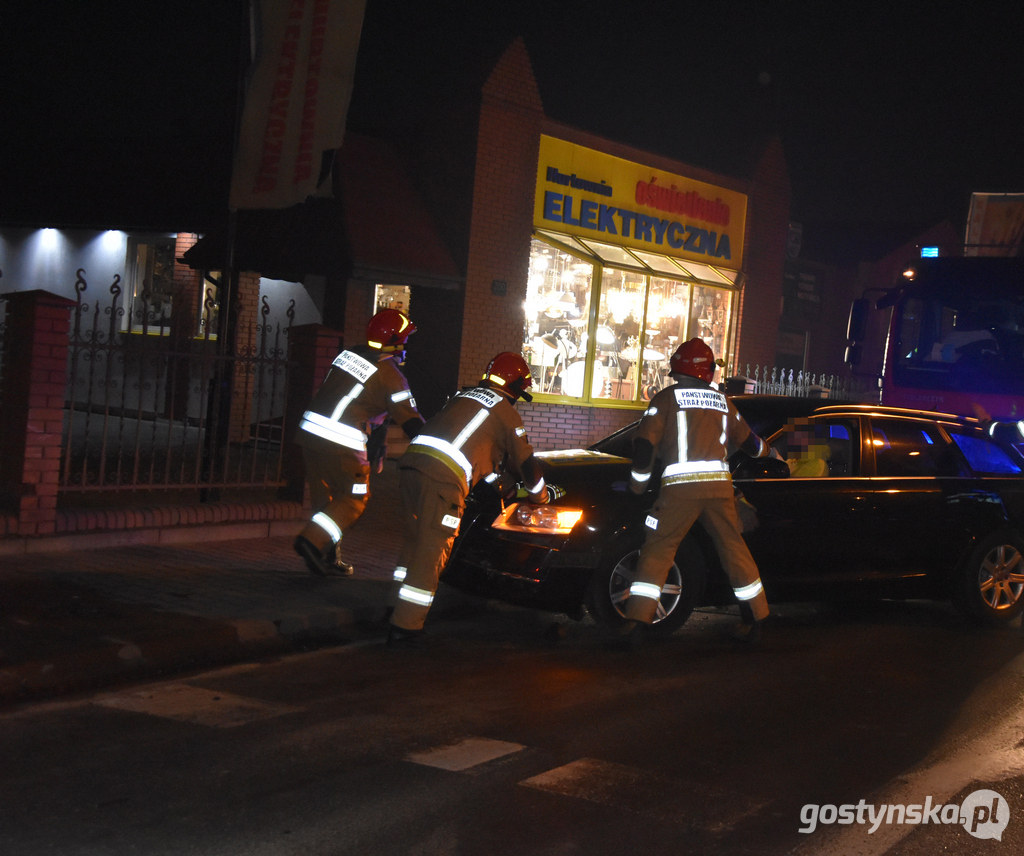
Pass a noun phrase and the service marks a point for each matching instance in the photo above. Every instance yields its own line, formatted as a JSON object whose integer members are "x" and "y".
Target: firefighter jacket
{"x": 692, "y": 428}
{"x": 470, "y": 438}
{"x": 361, "y": 388}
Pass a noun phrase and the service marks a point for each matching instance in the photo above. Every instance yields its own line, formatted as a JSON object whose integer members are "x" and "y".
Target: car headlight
{"x": 540, "y": 519}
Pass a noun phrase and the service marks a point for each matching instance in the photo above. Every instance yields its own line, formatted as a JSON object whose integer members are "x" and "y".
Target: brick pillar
{"x": 311, "y": 350}
{"x": 246, "y": 344}
{"x": 185, "y": 314}
{"x": 765, "y": 255}
{"x": 508, "y": 147}
{"x": 32, "y": 413}
{"x": 359, "y": 309}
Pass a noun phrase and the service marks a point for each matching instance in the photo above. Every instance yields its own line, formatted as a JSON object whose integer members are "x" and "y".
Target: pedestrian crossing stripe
{"x": 196, "y": 705}
{"x": 645, "y": 792}
{"x": 465, "y": 754}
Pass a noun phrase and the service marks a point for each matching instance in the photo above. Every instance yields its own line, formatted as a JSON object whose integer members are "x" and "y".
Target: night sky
{"x": 889, "y": 114}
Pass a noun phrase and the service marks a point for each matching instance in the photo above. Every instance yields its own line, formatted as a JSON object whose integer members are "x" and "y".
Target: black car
{"x": 881, "y": 502}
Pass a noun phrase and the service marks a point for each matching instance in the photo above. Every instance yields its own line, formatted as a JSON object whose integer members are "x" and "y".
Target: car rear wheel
{"x": 991, "y": 584}
{"x": 609, "y": 589}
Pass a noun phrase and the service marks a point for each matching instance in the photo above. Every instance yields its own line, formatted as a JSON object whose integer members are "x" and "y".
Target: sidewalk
{"x": 72, "y": 620}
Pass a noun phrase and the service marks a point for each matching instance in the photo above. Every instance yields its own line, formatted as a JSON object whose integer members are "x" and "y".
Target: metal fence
{"x": 147, "y": 410}
{"x": 774, "y": 381}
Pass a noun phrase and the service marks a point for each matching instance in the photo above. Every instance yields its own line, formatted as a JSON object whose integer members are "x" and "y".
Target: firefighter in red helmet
{"x": 468, "y": 440}
{"x": 692, "y": 428}
{"x": 343, "y": 431}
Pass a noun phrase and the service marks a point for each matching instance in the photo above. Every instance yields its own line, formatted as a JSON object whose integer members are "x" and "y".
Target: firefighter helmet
{"x": 694, "y": 358}
{"x": 510, "y": 374}
{"x": 388, "y": 330}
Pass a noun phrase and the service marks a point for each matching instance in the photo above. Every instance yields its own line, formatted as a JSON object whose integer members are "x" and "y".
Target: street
{"x": 488, "y": 738}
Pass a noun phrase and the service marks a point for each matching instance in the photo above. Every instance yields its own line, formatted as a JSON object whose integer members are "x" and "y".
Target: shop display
{"x": 640, "y": 320}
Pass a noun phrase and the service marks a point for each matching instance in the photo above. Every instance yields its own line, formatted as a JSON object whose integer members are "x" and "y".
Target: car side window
{"x": 817, "y": 448}
{"x": 908, "y": 448}
{"x": 983, "y": 455}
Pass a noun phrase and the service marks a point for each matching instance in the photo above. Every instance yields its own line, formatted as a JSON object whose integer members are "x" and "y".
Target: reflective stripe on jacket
{"x": 470, "y": 438}
{"x": 361, "y": 388}
{"x": 693, "y": 428}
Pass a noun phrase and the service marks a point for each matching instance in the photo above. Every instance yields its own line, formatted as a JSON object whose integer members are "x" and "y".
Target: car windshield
{"x": 620, "y": 443}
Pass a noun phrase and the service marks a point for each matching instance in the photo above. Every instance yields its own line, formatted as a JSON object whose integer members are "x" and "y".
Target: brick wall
{"x": 767, "y": 234}
{"x": 188, "y": 292}
{"x": 359, "y": 309}
{"x": 508, "y": 145}
{"x": 32, "y": 415}
{"x": 565, "y": 426}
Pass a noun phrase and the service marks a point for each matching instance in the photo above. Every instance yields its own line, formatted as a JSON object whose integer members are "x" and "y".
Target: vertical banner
{"x": 995, "y": 224}
{"x": 296, "y": 99}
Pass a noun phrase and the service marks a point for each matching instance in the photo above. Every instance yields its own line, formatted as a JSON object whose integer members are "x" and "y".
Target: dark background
{"x": 890, "y": 115}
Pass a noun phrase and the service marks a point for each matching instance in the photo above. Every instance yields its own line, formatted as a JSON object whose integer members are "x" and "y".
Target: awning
{"x": 378, "y": 229}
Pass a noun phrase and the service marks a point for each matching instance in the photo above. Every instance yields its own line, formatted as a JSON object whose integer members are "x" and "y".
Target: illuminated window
{"x": 621, "y": 353}
{"x": 392, "y": 297}
{"x": 150, "y": 285}
{"x": 209, "y": 306}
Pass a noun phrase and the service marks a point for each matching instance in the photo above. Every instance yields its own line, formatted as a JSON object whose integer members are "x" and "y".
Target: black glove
{"x": 377, "y": 446}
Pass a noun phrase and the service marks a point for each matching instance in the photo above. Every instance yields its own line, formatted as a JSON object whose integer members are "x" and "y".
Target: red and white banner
{"x": 296, "y": 100}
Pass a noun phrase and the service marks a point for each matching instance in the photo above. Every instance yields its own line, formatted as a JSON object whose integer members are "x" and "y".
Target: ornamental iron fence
{"x": 146, "y": 409}
{"x": 775, "y": 381}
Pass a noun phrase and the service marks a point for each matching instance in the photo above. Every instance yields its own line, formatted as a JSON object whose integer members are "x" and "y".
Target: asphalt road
{"x": 487, "y": 739}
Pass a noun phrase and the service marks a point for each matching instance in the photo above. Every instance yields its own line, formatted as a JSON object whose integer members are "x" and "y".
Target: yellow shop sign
{"x": 593, "y": 195}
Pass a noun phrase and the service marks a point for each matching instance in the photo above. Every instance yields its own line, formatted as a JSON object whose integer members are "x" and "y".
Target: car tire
{"x": 684, "y": 587}
{"x": 990, "y": 586}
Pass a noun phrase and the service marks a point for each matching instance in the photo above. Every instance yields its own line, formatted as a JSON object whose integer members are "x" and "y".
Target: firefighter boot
{"x": 339, "y": 567}
{"x": 628, "y": 636}
{"x": 315, "y": 560}
{"x": 750, "y": 633}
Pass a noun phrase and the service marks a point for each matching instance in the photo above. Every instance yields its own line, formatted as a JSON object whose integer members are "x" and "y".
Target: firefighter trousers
{"x": 673, "y": 515}
{"x": 431, "y": 512}
{"x": 339, "y": 488}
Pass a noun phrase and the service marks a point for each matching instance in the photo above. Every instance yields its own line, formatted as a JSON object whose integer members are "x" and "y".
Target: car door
{"x": 917, "y": 527}
{"x": 813, "y": 530}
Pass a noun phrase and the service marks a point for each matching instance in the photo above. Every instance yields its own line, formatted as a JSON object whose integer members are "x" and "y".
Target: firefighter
{"x": 364, "y": 388}
{"x": 691, "y": 426}
{"x": 474, "y": 433}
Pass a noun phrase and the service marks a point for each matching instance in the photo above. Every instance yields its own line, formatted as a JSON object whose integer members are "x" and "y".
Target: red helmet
{"x": 694, "y": 358}
{"x": 510, "y": 374}
{"x": 389, "y": 329}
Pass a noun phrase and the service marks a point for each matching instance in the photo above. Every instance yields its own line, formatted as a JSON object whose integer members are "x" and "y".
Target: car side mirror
{"x": 761, "y": 468}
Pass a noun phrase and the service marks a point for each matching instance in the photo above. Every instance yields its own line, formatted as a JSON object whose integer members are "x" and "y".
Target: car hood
{"x": 583, "y": 466}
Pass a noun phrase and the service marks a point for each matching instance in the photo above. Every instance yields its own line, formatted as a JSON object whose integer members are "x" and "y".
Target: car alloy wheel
{"x": 1001, "y": 577}
{"x": 992, "y": 585}
{"x": 609, "y": 589}
{"x": 622, "y": 576}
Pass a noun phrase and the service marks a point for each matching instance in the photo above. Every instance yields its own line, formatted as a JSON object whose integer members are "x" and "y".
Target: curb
{"x": 158, "y": 536}
{"x": 110, "y": 662}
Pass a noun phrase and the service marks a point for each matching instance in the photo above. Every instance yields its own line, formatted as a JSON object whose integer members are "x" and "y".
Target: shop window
{"x": 641, "y": 318}
{"x": 392, "y": 297}
{"x": 557, "y": 313}
{"x": 710, "y": 316}
{"x": 150, "y": 291}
